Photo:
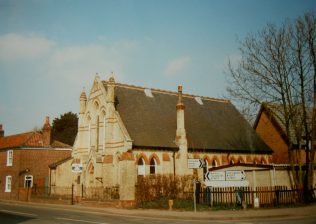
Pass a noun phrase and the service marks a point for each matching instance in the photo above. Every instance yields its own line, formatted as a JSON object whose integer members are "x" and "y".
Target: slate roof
{"x": 216, "y": 125}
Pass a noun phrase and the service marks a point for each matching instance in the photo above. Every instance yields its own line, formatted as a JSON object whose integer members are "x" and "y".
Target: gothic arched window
{"x": 141, "y": 167}
{"x": 153, "y": 166}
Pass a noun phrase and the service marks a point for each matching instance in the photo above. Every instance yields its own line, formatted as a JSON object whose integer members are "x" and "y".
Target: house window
{"x": 28, "y": 181}
{"x": 141, "y": 167}
{"x": 9, "y": 157}
{"x": 214, "y": 163}
{"x": 8, "y": 182}
{"x": 153, "y": 166}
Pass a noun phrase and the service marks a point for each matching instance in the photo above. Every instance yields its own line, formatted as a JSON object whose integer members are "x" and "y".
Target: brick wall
{"x": 268, "y": 132}
{"x": 273, "y": 139}
{"x": 36, "y": 160}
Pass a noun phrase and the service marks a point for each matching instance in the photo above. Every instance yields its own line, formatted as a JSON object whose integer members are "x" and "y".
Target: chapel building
{"x": 128, "y": 131}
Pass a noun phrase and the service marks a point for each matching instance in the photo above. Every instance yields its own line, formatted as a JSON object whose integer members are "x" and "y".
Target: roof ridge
{"x": 23, "y": 133}
{"x": 168, "y": 92}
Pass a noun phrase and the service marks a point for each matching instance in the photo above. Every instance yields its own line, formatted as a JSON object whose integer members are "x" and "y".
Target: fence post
{"x": 194, "y": 194}
{"x": 211, "y": 196}
{"x": 72, "y": 194}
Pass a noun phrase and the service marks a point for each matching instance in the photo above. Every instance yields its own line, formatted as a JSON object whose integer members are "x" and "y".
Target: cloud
{"x": 21, "y": 47}
{"x": 46, "y": 77}
{"x": 73, "y": 63}
{"x": 177, "y": 65}
{"x": 79, "y": 64}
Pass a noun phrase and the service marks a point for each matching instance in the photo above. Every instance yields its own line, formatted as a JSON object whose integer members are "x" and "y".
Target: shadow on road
{"x": 13, "y": 218}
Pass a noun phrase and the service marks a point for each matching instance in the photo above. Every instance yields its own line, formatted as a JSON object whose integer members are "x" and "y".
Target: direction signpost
{"x": 228, "y": 178}
{"x": 76, "y": 167}
{"x": 215, "y": 175}
{"x": 196, "y": 163}
{"x": 235, "y": 175}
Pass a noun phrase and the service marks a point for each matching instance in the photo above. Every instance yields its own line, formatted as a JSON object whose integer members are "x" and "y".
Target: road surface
{"x": 11, "y": 213}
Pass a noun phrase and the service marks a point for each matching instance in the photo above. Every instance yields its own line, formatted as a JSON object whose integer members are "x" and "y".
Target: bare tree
{"x": 307, "y": 25}
{"x": 277, "y": 67}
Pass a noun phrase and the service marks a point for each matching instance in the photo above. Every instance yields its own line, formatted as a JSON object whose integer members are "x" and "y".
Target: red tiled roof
{"x": 29, "y": 139}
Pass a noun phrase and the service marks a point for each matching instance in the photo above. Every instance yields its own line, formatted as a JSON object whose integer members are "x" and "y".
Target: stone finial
{"x": 111, "y": 79}
{"x": 83, "y": 101}
{"x": 180, "y": 94}
{"x": 110, "y": 89}
{"x": 83, "y": 95}
{"x": 180, "y": 89}
{"x": 180, "y": 103}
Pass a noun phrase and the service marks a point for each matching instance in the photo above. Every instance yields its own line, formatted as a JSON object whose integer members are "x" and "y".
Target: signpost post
{"x": 195, "y": 164}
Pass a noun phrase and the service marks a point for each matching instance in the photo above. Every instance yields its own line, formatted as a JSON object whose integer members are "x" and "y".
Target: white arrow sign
{"x": 215, "y": 176}
{"x": 76, "y": 168}
{"x": 196, "y": 163}
{"x": 235, "y": 175}
{"x": 229, "y": 175}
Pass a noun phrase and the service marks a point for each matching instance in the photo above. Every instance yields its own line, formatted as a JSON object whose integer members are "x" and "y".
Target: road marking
{"x": 79, "y": 220}
{"x": 19, "y": 213}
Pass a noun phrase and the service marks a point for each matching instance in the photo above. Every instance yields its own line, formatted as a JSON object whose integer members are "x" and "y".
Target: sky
{"x": 51, "y": 50}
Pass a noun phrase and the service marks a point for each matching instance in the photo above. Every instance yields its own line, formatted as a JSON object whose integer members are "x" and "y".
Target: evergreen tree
{"x": 64, "y": 128}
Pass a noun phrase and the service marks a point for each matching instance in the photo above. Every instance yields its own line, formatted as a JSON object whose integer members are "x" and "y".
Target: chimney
{"x": 1, "y": 131}
{"x": 181, "y": 139}
{"x": 46, "y": 132}
{"x": 180, "y": 133}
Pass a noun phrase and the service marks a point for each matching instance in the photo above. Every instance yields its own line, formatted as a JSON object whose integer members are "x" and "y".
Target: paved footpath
{"x": 309, "y": 210}
{"x": 304, "y": 211}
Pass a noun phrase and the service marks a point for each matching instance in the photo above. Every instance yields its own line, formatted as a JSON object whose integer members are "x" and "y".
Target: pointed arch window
{"x": 103, "y": 133}
{"x": 141, "y": 167}
{"x": 89, "y": 132}
{"x": 153, "y": 166}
